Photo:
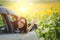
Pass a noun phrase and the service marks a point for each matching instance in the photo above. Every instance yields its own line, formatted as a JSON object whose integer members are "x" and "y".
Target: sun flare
{"x": 23, "y": 10}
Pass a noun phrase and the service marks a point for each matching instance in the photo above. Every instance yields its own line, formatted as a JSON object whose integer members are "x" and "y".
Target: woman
{"x": 22, "y": 26}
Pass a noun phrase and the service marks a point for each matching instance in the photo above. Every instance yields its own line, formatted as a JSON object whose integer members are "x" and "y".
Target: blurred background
{"x": 45, "y": 12}
{"x": 31, "y": 8}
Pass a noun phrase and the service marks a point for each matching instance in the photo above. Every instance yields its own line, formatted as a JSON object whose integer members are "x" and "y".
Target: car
{"x": 7, "y": 20}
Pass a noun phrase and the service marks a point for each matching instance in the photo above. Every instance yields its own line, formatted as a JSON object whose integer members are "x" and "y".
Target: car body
{"x": 6, "y": 19}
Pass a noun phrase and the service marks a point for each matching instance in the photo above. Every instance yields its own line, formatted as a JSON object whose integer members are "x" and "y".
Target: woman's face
{"x": 21, "y": 23}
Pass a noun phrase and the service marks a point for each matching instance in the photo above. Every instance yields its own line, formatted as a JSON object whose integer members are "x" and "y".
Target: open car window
{"x": 13, "y": 19}
{"x": 2, "y": 25}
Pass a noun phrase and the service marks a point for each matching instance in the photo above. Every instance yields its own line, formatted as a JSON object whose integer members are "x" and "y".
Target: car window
{"x": 12, "y": 18}
{"x": 2, "y": 25}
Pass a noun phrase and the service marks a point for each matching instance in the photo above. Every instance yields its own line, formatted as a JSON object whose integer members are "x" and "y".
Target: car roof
{"x": 5, "y": 11}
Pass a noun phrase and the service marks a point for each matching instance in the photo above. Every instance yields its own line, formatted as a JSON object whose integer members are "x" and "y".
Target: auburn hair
{"x": 24, "y": 28}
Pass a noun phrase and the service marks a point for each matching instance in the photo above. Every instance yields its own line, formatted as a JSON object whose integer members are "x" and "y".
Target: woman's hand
{"x": 31, "y": 26}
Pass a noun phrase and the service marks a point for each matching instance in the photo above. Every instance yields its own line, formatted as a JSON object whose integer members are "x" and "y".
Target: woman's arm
{"x": 31, "y": 26}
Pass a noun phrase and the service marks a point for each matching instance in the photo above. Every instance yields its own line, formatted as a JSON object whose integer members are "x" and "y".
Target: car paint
{"x": 4, "y": 10}
{"x": 29, "y": 36}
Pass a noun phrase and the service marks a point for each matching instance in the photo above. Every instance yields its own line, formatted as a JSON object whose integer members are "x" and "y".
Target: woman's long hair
{"x": 24, "y": 28}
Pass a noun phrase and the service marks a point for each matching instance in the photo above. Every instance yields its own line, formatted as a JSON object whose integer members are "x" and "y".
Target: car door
{"x": 29, "y": 36}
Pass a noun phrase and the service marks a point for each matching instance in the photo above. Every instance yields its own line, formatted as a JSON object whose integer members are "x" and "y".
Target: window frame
{"x": 8, "y": 23}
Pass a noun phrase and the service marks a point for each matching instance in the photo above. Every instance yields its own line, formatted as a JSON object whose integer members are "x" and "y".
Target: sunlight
{"x": 31, "y": 3}
{"x": 23, "y": 10}
{"x": 18, "y": 0}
